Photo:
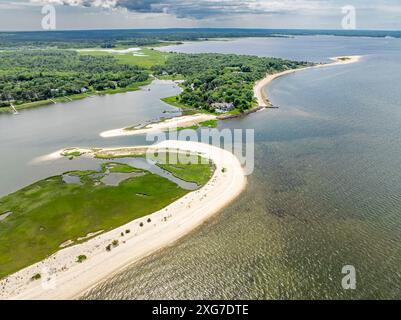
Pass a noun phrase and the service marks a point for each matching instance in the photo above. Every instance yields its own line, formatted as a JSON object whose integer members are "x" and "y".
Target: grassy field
{"x": 51, "y": 212}
{"x": 187, "y": 110}
{"x": 197, "y": 171}
{"x": 119, "y": 168}
{"x": 147, "y": 59}
{"x": 175, "y": 102}
{"x": 205, "y": 124}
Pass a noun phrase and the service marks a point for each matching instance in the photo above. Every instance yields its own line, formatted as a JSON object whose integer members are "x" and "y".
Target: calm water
{"x": 40, "y": 131}
{"x": 325, "y": 192}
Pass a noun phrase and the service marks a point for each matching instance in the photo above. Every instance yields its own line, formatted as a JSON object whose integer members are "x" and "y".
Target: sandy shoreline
{"x": 176, "y": 122}
{"x": 72, "y": 279}
{"x": 187, "y": 121}
{"x": 258, "y": 89}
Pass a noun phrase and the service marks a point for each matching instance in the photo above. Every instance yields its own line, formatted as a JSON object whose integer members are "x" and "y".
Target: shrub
{"x": 36, "y": 277}
{"x": 115, "y": 243}
{"x": 149, "y": 220}
{"x": 127, "y": 231}
{"x": 141, "y": 224}
{"x": 81, "y": 258}
{"x": 108, "y": 248}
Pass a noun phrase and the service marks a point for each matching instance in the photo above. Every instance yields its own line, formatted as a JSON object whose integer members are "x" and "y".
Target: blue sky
{"x": 95, "y": 14}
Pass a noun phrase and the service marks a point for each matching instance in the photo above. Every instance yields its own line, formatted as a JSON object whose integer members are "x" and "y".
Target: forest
{"x": 221, "y": 78}
{"x": 139, "y": 37}
{"x": 34, "y": 75}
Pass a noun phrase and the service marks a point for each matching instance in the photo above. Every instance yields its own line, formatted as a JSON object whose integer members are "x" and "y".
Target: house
{"x": 223, "y": 107}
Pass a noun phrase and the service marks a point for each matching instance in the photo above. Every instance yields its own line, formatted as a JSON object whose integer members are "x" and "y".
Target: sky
{"x": 110, "y": 14}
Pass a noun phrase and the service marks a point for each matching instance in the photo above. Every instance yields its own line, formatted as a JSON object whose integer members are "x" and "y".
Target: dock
{"x": 15, "y": 111}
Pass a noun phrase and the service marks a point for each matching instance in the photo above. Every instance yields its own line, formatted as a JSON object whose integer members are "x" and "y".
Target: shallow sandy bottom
{"x": 258, "y": 89}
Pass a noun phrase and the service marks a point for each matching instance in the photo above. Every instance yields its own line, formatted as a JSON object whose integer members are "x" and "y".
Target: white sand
{"x": 184, "y": 121}
{"x": 258, "y": 89}
{"x": 59, "y": 154}
{"x": 71, "y": 279}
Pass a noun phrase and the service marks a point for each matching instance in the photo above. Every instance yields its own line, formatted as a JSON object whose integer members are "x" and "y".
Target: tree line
{"x": 221, "y": 78}
{"x": 32, "y": 75}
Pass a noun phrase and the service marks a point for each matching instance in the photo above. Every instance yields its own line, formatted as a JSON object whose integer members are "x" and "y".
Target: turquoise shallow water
{"x": 325, "y": 192}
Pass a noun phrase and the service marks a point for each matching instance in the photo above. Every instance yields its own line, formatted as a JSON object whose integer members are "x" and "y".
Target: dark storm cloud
{"x": 197, "y": 9}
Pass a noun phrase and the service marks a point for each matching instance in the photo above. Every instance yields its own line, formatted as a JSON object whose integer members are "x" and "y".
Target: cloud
{"x": 196, "y": 9}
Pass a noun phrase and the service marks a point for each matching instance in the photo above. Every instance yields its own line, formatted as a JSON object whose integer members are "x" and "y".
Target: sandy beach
{"x": 258, "y": 89}
{"x": 68, "y": 279}
{"x": 187, "y": 121}
{"x": 64, "y": 278}
{"x": 184, "y": 121}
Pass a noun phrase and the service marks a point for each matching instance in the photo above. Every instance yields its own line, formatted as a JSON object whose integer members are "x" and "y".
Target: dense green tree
{"x": 32, "y": 75}
{"x": 212, "y": 78}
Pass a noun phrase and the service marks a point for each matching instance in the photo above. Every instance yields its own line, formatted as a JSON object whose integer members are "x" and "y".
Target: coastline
{"x": 72, "y": 279}
{"x": 175, "y": 122}
{"x": 259, "y": 87}
{"x": 75, "y": 97}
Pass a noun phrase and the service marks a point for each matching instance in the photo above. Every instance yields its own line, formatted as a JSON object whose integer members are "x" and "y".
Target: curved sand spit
{"x": 168, "y": 225}
{"x": 184, "y": 121}
{"x": 260, "y": 85}
{"x": 71, "y": 279}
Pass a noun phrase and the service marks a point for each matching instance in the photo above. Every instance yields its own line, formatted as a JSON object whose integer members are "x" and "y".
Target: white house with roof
{"x": 223, "y": 107}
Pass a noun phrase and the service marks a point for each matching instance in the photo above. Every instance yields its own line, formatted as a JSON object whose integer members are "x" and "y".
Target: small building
{"x": 223, "y": 107}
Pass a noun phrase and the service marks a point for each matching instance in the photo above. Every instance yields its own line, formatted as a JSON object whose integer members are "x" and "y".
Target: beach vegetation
{"x": 81, "y": 258}
{"x": 200, "y": 173}
{"x": 51, "y": 210}
{"x": 37, "y": 276}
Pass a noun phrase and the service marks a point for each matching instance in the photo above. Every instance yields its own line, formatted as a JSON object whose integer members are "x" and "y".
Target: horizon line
{"x": 202, "y": 28}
